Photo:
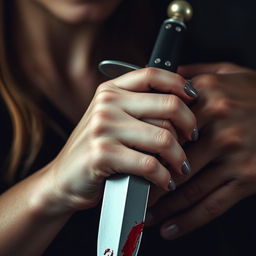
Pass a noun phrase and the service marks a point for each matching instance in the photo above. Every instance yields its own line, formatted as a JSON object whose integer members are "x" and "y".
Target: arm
{"x": 110, "y": 138}
{"x": 29, "y": 219}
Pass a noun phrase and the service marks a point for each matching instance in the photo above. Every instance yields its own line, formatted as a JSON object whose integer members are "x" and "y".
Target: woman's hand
{"x": 225, "y": 154}
{"x": 113, "y": 138}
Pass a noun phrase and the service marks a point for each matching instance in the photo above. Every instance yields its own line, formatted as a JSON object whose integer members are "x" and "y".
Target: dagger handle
{"x": 165, "y": 54}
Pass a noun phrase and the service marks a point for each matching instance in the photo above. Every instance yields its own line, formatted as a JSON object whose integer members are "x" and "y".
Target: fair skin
{"x": 111, "y": 137}
{"x": 75, "y": 178}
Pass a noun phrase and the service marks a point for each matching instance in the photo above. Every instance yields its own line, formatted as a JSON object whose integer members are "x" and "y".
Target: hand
{"x": 113, "y": 138}
{"x": 223, "y": 161}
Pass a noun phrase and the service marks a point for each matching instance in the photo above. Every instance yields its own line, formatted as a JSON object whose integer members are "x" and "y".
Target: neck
{"x": 57, "y": 58}
{"x": 60, "y": 59}
{"x": 52, "y": 46}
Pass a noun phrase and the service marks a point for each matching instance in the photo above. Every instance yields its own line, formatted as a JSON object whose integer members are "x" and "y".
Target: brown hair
{"x": 27, "y": 117}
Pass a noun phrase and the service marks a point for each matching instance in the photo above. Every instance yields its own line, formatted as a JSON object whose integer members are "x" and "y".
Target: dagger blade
{"x": 125, "y": 197}
{"x": 122, "y": 215}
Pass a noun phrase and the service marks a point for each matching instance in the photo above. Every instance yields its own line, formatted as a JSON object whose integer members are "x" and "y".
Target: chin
{"x": 81, "y": 11}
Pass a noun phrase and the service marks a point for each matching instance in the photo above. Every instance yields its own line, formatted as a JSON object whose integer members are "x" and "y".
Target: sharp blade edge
{"x": 124, "y": 206}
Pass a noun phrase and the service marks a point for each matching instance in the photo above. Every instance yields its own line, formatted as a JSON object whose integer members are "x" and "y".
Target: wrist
{"x": 46, "y": 199}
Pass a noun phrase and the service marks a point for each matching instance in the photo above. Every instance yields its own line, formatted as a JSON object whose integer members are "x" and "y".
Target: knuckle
{"x": 99, "y": 156}
{"x": 99, "y": 122}
{"x": 172, "y": 103}
{"x": 192, "y": 192}
{"x": 165, "y": 124}
{"x": 149, "y": 165}
{"x": 163, "y": 138}
{"x": 98, "y": 129}
{"x": 223, "y": 107}
{"x": 149, "y": 73}
{"x": 103, "y": 87}
{"x": 102, "y": 146}
{"x": 209, "y": 81}
{"x": 105, "y": 96}
{"x": 213, "y": 207}
{"x": 230, "y": 139}
{"x": 99, "y": 175}
{"x": 102, "y": 115}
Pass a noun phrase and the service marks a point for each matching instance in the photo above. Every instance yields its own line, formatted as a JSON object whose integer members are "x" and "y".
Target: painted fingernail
{"x": 190, "y": 90}
{"x": 170, "y": 231}
{"x": 195, "y": 135}
{"x": 171, "y": 185}
{"x": 186, "y": 169}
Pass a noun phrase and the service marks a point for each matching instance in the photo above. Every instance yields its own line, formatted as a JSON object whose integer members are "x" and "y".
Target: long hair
{"x": 26, "y": 115}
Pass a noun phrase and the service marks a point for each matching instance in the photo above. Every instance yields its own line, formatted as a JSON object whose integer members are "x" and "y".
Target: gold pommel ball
{"x": 180, "y": 10}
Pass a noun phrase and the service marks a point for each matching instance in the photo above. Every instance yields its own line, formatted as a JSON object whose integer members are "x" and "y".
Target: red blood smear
{"x": 133, "y": 237}
{"x": 107, "y": 251}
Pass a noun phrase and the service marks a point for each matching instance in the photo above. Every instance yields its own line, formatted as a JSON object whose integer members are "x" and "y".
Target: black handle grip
{"x": 166, "y": 51}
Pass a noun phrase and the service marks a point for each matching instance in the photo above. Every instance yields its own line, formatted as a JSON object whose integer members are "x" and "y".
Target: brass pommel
{"x": 180, "y": 10}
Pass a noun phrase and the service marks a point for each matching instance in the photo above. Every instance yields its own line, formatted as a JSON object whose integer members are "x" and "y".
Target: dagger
{"x": 125, "y": 196}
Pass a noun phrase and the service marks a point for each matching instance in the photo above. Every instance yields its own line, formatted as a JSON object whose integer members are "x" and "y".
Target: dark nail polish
{"x": 190, "y": 90}
{"x": 195, "y": 135}
{"x": 171, "y": 231}
{"x": 186, "y": 169}
{"x": 171, "y": 185}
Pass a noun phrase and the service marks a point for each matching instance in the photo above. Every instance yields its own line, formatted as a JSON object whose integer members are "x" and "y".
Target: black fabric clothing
{"x": 79, "y": 235}
{"x": 5, "y": 141}
{"x": 220, "y": 31}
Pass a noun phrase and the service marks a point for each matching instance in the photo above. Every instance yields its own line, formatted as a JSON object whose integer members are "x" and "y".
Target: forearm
{"x": 29, "y": 220}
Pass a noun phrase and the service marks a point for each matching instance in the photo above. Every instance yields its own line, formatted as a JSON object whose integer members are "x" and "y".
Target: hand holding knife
{"x": 125, "y": 197}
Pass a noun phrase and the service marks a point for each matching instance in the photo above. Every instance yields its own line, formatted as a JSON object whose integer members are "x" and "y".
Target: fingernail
{"x": 171, "y": 185}
{"x": 190, "y": 90}
{"x": 195, "y": 135}
{"x": 170, "y": 231}
{"x": 186, "y": 169}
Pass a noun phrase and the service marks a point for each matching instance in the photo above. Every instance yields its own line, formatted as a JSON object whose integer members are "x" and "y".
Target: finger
{"x": 166, "y": 124}
{"x": 202, "y": 152}
{"x": 190, "y": 193}
{"x": 152, "y": 139}
{"x": 216, "y": 141}
{"x": 213, "y": 103}
{"x": 162, "y": 123}
{"x": 204, "y": 110}
{"x": 210, "y": 208}
{"x": 189, "y": 71}
{"x": 125, "y": 160}
{"x": 146, "y": 79}
{"x": 162, "y": 106}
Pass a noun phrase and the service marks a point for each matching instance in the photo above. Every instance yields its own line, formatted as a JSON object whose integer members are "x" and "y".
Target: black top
{"x": 220, "y": 31}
